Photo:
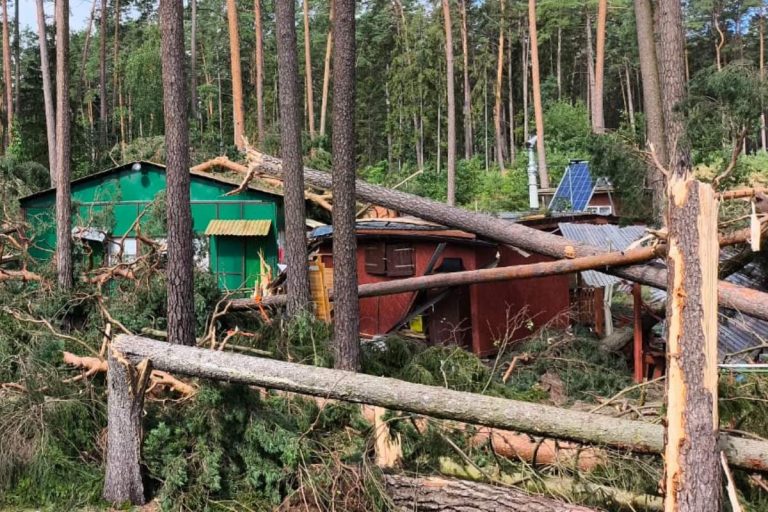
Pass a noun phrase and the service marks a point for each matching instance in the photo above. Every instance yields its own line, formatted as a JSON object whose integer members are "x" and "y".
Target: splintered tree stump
{"x": 450, "y": 495}
{"x": 126, "y": 385}
{"x": 692, "y": 472}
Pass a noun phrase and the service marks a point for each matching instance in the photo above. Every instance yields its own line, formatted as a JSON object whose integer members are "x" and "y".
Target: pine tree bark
{"x": 290, "y": 139}
{"x": 63, "y": 164}
{"x": 761, "y": 32}
{"x": 193, "y": 60}
{"x": 511, "y": 103}
{"x": 692, "y": 456}
{"x": 50, "y": 112}
{"x": 525, "y": 45}
{"x": 115, "y": 61}
{"x": 630, "y": 99}
{"x": 103, "y": 114}
{"x": 126, "y": 385}
{"x": 451, "y": 97}
{"x": 181, "y": 305}
{"x": 598, "y": 117}
{"x": 498, "y": 132}
{"x": 327, "y": 73}
{"x": 238, "y": 115}
{"x": 345, "y": 309}
{"x": 673, "y": 83}
{"x": 654, "y": 116}
{"x": 17, "y": 57}
{"x": 260, "y": 127}
{"x": 308, "y": 73}
{"x": 467, "y": 110}
{"x": 537, "y": 106}
{"x": 7, "y": 75}
{"x": 450, "y": 495}
{"x": 590, "y": 72}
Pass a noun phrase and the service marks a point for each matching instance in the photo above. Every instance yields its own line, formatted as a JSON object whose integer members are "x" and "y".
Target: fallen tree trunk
{"x": 750, "y": 302}
{"x": 489, "y": 275}
{"x": 432, "y": 401}
{"x": 450, "y": 495}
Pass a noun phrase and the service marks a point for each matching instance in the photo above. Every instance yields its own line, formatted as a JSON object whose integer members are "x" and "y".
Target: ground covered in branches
{"x": 229, "y": 447}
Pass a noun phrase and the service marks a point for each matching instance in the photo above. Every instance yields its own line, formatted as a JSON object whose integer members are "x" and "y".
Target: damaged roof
{"x": 736, "y": 332}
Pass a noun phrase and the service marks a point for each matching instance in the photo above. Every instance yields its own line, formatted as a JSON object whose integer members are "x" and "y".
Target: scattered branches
{"x": 737, "y": 147}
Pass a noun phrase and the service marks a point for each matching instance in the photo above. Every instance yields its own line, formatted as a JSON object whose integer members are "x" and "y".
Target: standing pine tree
{"x": 181, "y": 319}
{"x": 345, "y": 301}
{"x": 290, "y": 138}
{"x": 63, "y": 164}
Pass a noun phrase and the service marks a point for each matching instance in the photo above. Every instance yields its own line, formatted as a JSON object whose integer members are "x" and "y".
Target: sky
{"x": 79, "y": 12}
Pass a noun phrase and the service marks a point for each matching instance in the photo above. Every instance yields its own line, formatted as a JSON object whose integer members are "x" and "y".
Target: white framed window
{"x": 600, "y": 210}
{"x": 130, "y": 250}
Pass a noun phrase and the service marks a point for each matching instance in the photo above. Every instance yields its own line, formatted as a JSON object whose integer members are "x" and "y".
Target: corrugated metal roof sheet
{"x": 238, "y": 227}
{"x": 605, "y": 236}
{"x": 736, "y": 331}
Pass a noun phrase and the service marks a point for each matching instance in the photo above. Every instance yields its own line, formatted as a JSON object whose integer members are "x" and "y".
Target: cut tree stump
{"x": 450, "y": 495}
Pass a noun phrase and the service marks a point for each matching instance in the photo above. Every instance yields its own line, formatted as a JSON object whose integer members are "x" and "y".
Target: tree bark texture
{"x": 126, "y": 385}
{"x": 449, "y": 495}
{"x": 260, "y": 126}
{"x": 103, "y": 114}
{"x": 538, "y": 109}
{"x": 345, "y": 308}
{"x": 327, "y": 72}
{"x": 598, "y": 118}
{"x": 290, "y": 141}
{"x": 238, "y": 115}
{"x": 308, "y": 73}
{"x": 193, "y": 60}
{"x": 451, "y": 97}
{"x": 181, "y": 305}
{"x": 7, "y": 74}
{"x": 673, "y": 83}
{"x": 432, "y": 401}
{"x": 63, "y": 164}
{"x": 50, "y": 111}
{"x": 17, "y": 54}
{"x": 467, "y": 110}
{"x": 748, "y": 301}
{"x": 498, "y": 132}
{"x": 654, "y": 116}
{"x": 692, "y": 455}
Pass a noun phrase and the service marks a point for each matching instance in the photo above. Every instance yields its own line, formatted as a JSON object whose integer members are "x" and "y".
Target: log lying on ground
{"x": 547, "y": 268}
{"x": 747, "y": 301}
{"x": 432, "y": 401}
{"x": 451, "y": 495}
{"x": 19, "y": 275}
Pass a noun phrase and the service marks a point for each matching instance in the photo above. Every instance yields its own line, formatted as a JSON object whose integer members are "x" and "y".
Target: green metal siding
{"x": 114, "y": 200}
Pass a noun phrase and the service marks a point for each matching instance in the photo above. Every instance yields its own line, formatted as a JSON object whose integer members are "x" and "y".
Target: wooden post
{"x": 126, "y": 385}
{"x": 637, "y": 309}
{"x": 692, "y": 472}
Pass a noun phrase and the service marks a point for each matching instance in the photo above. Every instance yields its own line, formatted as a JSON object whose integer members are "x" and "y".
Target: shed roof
{"x": 605, "y": 236}
{"x": 218, "y": 178}
{"x": 238, "y": 227}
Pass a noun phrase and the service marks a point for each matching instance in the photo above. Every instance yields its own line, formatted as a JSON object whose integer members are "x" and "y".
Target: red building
{"x": 476, "y": 316}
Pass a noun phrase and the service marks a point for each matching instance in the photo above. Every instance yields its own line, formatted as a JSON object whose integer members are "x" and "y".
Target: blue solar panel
{"x": 575, "y": 189}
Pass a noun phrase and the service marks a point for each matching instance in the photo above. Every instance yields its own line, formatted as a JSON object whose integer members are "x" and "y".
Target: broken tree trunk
{"x": 747, "y": 301}
{"x": 432, "y": 401}
{"x": 443, "y": 494}
{"x": 692, "y": 458}
{"x": 469, "y": 277}
{"x": 126, "y": 384}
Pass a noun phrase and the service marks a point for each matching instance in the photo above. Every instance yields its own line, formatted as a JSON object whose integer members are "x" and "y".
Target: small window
{"x": 376, "y": 259}
{"x": 400, "y": 260}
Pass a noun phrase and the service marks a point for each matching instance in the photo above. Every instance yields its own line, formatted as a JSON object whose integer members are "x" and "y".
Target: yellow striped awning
{"x": 238, "y": 227}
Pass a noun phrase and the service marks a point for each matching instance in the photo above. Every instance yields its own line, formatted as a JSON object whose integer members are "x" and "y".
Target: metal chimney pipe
{"x": 533, "y": 189}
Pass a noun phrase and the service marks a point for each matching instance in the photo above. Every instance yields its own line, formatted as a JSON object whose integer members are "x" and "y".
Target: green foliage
{"x": 615, "y": 159}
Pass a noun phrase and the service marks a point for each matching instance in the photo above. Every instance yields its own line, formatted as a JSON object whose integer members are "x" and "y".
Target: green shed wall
{"x": 113, "y": 200}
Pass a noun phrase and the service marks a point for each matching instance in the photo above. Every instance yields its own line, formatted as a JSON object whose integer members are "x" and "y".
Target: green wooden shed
{"x": 232, "y": 233}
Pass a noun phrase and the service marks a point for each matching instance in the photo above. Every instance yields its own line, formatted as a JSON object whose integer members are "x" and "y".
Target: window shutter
{"x": 375, "y": 259}
{"x": 400, "y": 260}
